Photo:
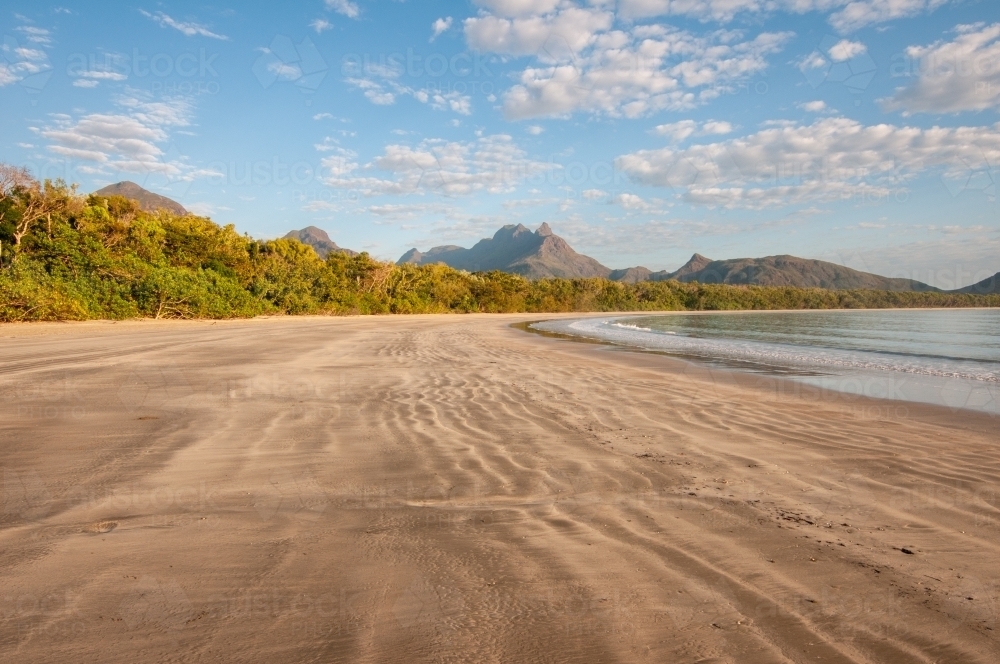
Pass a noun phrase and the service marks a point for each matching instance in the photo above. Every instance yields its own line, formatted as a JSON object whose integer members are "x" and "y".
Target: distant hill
{"x": 514, "y": 249}
{"x": 694, "y": 264}
{"x": 318, "y": 239}
{"x": 543, "y": 254}
{"x": 147, "y": 200}
{"x": 984, "y": 287}
{"x": 792, "y": 271}
{"x": 631, "y": 275}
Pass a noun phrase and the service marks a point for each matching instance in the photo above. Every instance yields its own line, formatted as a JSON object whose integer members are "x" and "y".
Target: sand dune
{"x": 451, "y": 489}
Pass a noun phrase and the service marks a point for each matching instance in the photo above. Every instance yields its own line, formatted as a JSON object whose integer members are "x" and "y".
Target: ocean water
{"x": 946, "y": 357}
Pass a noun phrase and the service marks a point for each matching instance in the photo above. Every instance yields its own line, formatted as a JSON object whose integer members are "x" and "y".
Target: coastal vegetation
{"x": 66, "y": 256}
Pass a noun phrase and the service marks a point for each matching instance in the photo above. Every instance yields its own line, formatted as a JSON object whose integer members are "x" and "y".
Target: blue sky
{"x": 865, "y": 132}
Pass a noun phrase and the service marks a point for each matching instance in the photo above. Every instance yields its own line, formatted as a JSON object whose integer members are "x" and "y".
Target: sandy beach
{"x": 452, "y": 489}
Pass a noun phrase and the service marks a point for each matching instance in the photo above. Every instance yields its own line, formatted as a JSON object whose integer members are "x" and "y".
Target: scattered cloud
{"x": 380, "y": 86}
{"x": 518, "y": 8}
{"x": 345, "y": 7}
{"x": 320, "y": 25}
{"x": 631, "y": 202}
{"x": 130, "y": 140}
{"x": 817, "y": 106}
{"x": 91, "y": 78}
{"x": 36, "y": 35}
{"x": 845, "y": 16}
{"x": 327, "y": 144}
{"x": 440, "y": 26}
{"x": 954, "y": 76}
{"x": 405, "y": 212}
{"x": 716, "y": 128}
{"x": 632, "y": 241}
{"x": 831, "y": 159}
{"x": 187, "y": 29}
{"x": 534, "y": 130}
{"x": 857, "y": 14}
{"x": 29, "y": 66}
{"x": 581, "y": 64}
{"x": 684, "y": 129}
{"x": 515, "y": 203}
{"x": 552, "y": 37}
{"x": 846, "y": 49}
{"x": 492, "y": 164}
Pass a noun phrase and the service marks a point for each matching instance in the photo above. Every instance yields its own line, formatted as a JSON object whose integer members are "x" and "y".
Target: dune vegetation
{"x": 66, "y": 256}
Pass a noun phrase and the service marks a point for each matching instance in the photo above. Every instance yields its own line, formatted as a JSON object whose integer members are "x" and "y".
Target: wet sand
{"x": 448, "y": 488}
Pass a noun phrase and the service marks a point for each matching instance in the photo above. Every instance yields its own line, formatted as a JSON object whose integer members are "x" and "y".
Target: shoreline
{"x": 750, "y": 370}
{"x": 773, "y": 386}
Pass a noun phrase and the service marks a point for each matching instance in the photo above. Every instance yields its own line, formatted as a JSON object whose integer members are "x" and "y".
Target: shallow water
{"x": 946, "y": 357}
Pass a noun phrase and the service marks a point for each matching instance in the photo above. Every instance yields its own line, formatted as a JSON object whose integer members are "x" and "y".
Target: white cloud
{"x": 960, "y": 75}
{"x": 551, "y": 37}
{"x": 320, "y": 25}
{"x": 327, "y": 145}
{"x": 103, "y": 75}
{"x": 345, "y": 7}
{"x": 386, "y": 91}
{"x": 440, "y": 26}
{"x": 323, "y": 116}
{"x": 677, "y": 131}
{"x": 516, "y": 8}
{"x": 617, "y": 73}
{"x": 91, "y": 78}
{"x": 831, "y": 159}
{"x": 25, "y": 65}
{"x": 846, "y": 49}
{"x": 534, "y": 130}
{"x": 404, "y": 211}
{"x": 515, "y": 203}
{"x": 493, "y": 164}
{"x": 716, "y": 128}
{"x": 701, "y": 9}
{"x": 631, "y": 202}
{"x": 817, "y": 106}
{"x": 593, "y": 194}
{"x": 129, "y": 141}
{"x": 631, "y": 242}
{"x": 187, "y": 29}
{"x": 847, "y": 15}
{"x": 860, "y": 13}
{"x": 684, "y": 129}
{"x": 36, "y": 35}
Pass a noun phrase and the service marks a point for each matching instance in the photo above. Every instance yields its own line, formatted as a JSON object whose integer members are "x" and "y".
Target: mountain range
{"x": 543, "y": 254}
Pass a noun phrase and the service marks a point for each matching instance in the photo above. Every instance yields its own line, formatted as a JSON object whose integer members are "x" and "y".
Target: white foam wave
{"x": 772, "y": 354}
